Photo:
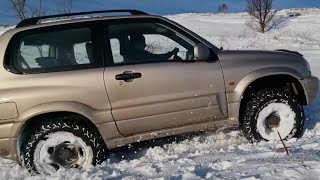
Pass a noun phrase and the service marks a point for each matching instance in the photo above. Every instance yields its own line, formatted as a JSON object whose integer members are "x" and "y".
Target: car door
{"x": 151, "y": 93}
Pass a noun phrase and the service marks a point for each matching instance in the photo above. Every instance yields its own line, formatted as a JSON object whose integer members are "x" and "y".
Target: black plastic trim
{"x": 288, "y": 51}
{"x": 34, "y": 20}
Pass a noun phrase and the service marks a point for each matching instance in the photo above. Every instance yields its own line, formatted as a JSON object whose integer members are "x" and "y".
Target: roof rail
{"x": 34, "y": 20}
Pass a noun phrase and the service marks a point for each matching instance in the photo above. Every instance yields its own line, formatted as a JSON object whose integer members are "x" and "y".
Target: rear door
{"x": 161, "y": 93}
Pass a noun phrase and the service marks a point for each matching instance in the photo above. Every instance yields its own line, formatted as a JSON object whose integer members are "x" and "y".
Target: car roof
{"x": 34, "y": 23}
{"x": 79, "y": 20}
{"x": 57, "y": 17}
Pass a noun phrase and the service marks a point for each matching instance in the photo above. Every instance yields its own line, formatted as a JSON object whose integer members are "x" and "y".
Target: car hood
{"x": 237, "y": 64}
{"x": 279, "y": 53}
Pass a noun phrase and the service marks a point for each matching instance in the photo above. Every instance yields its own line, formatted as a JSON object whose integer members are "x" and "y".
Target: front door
{"x": 154, "y": 82}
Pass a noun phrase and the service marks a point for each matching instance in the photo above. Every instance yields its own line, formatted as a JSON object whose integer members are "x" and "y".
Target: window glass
{"x": 55, "y": 49}
{"x": 160, "y": 44}
{"x": 148, "y": 42}
{"x": 115, "y": 44}
{"x": 30, "y": 53}
{"x": 81, "y": 52}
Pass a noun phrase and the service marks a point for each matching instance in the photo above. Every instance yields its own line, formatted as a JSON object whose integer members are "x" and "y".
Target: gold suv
{"x": 73, "y": 88}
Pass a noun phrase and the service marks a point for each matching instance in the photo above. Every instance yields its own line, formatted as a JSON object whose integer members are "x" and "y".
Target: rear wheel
{"x": 270, "y": 112}
{"x": 62, "y": 143}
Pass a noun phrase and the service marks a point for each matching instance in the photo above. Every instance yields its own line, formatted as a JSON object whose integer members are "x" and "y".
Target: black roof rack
{"x": 34, "y": 20}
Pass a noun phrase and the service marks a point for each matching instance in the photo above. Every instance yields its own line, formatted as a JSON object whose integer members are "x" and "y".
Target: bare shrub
{"x": 25, "y": 9}
{"x": 261, "y": 13}
{"x": 37, "y": 10}
{"x": 64, "y": 6}
{"x": 223, "y": 8}
{"x": 19, "y": 7}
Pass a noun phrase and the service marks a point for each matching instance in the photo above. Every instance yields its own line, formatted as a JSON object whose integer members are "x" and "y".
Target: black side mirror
{"x": 201, "y": 52}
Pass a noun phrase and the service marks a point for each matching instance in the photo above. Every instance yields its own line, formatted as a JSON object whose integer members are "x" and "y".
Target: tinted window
{"x": 160, "y": 44}
{"x": 117, "y": 57}
{"x": 148, "y": 42}
{"x": 30, "y": 53}
{"x": 55, "y": 49}
{"x": 81, "y": 52}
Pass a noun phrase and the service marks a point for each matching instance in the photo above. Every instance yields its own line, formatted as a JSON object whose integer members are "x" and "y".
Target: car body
{"x": 166, "y": 98}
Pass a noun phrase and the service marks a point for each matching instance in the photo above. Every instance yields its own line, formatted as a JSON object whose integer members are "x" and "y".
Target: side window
{"x": 160, "y": 44}
{"x": 83, "y": 52}
{"x": 54, "y": 50}
{"x": 148, "y": 42}
{"x": 117, "y": 57}
{"x": 31, "y": 52}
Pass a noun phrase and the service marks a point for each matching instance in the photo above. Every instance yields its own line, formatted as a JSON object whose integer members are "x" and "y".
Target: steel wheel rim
{"x": 61, "y": 151}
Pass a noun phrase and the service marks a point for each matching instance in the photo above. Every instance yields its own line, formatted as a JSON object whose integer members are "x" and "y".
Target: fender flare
{"x": 95, "y": 116}
{"x": 237, "y": 93}
{"x": 234, "y": 97}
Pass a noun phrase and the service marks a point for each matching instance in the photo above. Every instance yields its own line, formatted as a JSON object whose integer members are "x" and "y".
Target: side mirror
{"x": 201, "y": 52}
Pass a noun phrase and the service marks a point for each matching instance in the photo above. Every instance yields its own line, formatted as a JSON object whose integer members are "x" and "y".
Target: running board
{"x": 220, "y": 125}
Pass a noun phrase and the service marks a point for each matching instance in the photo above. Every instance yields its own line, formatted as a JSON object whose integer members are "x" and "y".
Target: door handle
{"x": 128, "y": 76}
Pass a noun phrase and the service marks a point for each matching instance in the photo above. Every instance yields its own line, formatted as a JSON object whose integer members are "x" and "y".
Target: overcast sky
{"x": 161, "y": 7}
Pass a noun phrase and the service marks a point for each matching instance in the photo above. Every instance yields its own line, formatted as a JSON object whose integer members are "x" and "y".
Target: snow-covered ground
{"x": 220, "y": 155}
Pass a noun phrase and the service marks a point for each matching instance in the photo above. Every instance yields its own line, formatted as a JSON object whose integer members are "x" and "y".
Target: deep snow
{"x": 220, "y": 155}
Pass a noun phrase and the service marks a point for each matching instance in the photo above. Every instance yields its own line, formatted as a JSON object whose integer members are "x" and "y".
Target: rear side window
{"x": 81, "y": 52}
{"x": 54, "y": 50}
{"x": 116, "y": 53}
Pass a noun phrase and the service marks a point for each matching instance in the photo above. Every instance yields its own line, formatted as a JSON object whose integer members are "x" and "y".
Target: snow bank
{"x": 5, "y": 28}
{"x": 220, "y": 155}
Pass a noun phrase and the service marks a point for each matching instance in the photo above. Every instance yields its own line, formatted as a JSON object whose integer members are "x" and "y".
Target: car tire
{"x": 62, "y": 142}
{"x": 270, "y": 112}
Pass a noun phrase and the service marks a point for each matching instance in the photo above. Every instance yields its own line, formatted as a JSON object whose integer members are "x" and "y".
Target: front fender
{"x": 234, "y": 96}
{"x": 243, "y": 84}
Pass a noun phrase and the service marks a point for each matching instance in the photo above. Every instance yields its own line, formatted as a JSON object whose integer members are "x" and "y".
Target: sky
{"x": 161, "y": 7}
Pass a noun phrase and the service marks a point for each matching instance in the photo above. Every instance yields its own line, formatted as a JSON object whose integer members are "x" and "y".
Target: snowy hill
{"x": 224, "y": 155}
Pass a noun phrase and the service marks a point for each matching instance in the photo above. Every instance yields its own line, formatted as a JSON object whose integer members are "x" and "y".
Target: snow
{"x": 285, "y": 113}
{"x": 52, "y": 140}
{"x": 220, "y": 155}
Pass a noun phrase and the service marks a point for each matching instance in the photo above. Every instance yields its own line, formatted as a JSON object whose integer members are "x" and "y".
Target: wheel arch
{"x": 51, "y": 107}
{"x": 34, "y": 115}
{"x": 261, "y": 79}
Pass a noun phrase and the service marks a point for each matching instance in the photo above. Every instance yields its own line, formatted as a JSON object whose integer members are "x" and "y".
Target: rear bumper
{"x": 310, "y": 86}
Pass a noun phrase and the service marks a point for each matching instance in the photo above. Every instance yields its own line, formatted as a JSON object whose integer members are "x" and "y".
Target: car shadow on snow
{"x": 139, "y": 149}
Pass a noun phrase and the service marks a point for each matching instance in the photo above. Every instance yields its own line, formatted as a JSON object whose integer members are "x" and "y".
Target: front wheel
{"x": 270, "y": 112}
{"x": 62, "y": 143}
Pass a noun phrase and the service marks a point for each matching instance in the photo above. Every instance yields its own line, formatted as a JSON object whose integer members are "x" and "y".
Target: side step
{"x": 220, "y": 125}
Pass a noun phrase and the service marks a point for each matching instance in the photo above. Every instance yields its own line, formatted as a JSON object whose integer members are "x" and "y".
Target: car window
{"x": 81, "y": 53}
{"x": 30, "y": 53}
{"x": 54, "y": 49}
{"x": 148, "y": 42}
{"x": 160, "y": 44}
{"x": 115, "y": 44}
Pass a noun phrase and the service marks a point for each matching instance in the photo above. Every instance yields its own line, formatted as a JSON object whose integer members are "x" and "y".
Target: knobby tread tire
{"x": 260, "y": 100}
{"x": 69, "y": 123}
